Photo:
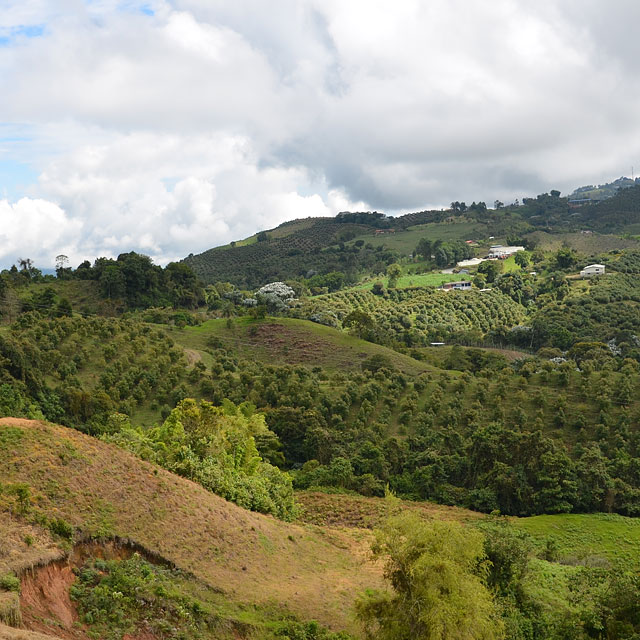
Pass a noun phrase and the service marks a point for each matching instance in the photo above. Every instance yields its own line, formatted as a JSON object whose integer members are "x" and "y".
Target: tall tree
{"x": 436, "y": 572}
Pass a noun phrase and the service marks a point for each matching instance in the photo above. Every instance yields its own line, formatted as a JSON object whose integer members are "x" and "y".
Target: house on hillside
{"x": 502, "y": 253}
{"x": 464, "y": 285}
{"x": 592, "y": 270}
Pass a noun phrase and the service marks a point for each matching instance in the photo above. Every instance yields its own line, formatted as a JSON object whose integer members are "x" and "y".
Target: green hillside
{"x": 253, "y": 568}
{"x": 484, "y": 432}
{"x": 505, "y": 416}
{"x": 288, "y": 341}
{"x": 619, "y": 213}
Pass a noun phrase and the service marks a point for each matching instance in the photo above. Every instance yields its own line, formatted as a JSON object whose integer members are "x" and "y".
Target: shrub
{"x": 9, "y": 582}
{"x": 62, "y": 528}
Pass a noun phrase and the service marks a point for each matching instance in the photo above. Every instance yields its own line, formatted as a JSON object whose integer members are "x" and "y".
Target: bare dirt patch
{"x": 193, "y": 356}
{"x": 283, "y": 342}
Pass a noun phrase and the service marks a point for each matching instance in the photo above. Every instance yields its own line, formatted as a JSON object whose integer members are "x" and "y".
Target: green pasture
{"x": 580, "y": 538}
{"x": 406, "y": 241}
{"x": 433, "y": 279}
{"x": 290, "y": 341}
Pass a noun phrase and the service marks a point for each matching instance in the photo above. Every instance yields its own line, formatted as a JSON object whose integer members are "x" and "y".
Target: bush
{"x": 9, "y": 582}
{"x": 62, "y": 528}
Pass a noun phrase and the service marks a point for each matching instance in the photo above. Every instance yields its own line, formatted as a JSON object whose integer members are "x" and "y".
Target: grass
{"x": 291, "y": 341}
{"x": 349, "y": 510}
{"x": 586, "y": 537}
{"x": 406, "y": 241}
{"x": 433, "y": 279}
{"x": 509, "y": 265}
{"x": 219, "y": 543}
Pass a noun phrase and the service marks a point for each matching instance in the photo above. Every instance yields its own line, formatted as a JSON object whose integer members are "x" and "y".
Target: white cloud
{"x": 167, "y": 196}
{"x": 36, "y": 229}
{"x": 171, "y": 132}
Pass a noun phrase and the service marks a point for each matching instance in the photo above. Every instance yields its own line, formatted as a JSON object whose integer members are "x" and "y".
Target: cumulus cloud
{"x": 169, "y": 127}
{"x": 36, "y": 228}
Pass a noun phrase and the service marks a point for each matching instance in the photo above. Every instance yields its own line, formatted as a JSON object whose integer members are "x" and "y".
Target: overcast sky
{"x": 171, "y": 126}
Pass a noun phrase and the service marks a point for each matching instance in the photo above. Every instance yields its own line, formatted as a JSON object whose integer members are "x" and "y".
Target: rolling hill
{"x": 103, "y": 492}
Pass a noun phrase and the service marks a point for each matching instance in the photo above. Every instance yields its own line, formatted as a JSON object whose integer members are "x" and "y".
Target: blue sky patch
{"x": 8, "y": 36}
{"x": 15, "y": 178}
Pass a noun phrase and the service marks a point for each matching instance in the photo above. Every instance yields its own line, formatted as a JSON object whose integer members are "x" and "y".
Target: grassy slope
{"x": 406, "y": 241}
{"x": 291, "y": 341}
{"x": 282, "y": 231}
{"x": 584, "y": 536}
{"x": 348, "y": 510}
{"x": 579, "y": 538}
{"x": 253, "y": 558}
{"x": 593, "y": 243}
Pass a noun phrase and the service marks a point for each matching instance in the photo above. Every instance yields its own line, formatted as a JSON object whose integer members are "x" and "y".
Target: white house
{"x": 465, "y": 285}
{"x": 592, "y": 270}
{"x": 500, "y": 252}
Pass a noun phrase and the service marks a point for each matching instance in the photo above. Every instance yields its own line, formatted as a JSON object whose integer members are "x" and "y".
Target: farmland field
{"x": 411, "y": 280}
{"x": 430, "y": 314}
{"x": 406, "y": 241}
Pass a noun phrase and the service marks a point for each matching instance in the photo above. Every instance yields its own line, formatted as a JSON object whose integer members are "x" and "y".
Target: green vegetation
{"x": 115, "y": 598}
{"x": 614, "y": 214}
{"x": 9, "y": 582}
{"x": 603, "y": 191}
{"x": 530, "y": 437}
{"x": 417, "y": 316}
{"x": 326, "y": 382}
{"x": 127, "y": 597}
{"x": 216, "y": 447}
{"x": 580, "y": 538}
{"x": 436, "y": 575}
{"x": 109, "y": 286}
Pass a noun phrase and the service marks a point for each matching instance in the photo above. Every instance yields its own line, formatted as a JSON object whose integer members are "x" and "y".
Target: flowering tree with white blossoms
{"x": 279, "y": 289}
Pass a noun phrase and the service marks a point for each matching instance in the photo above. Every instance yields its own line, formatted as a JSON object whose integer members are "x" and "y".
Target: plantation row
{"x": 427, "y": 312}
{"x": 491, "y": 437}
{"x": 283, "y": 258}
{"x": 610, "y": 309}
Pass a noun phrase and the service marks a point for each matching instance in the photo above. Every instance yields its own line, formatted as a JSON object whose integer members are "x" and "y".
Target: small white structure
{"x": 500, "y": 252}
{"x": 464, "y": 285}
{"x": 592, "y": 270}
{"x": 472, "y": 262}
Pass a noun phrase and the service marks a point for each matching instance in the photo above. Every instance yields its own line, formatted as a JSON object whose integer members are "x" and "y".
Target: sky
{"x": 171, "y": 126}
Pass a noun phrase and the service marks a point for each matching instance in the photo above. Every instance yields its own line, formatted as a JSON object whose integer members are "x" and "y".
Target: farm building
{"x": 498, "y": 251}
{"x": 592, "y": 270}
{"x": 465, "y": 285}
